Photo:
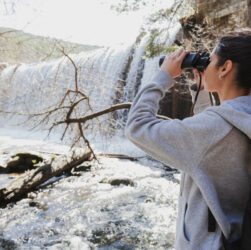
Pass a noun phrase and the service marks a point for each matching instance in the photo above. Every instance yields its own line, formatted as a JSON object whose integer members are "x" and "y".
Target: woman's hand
{"x": 197, "y": 78}
{"x": 172, "y": 63}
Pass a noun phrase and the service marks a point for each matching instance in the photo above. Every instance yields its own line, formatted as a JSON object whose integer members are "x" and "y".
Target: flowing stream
{"x": 90, "y": 212}
{"x": 86, "y": 211}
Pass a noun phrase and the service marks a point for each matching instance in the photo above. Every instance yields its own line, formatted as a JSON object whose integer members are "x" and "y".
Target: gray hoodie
{"x": 210, "y": 149}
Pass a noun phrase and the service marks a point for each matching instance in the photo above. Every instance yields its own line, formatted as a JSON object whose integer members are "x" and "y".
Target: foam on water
{"x": 87, "y": 211}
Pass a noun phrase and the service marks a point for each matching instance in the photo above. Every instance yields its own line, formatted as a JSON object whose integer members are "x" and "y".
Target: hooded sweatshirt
{"x": 211, "y": 150}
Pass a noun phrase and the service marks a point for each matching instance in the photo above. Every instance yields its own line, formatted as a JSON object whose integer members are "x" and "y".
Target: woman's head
{"x": 236, "y": 47}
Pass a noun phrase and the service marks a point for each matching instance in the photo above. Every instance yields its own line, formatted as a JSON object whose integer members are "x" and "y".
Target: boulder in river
{"x": 21, "y": 162}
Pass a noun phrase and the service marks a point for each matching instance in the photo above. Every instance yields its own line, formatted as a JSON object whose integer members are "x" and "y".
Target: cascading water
{"x": 31, "y": 89}
{"x": 87, "y": 212}
{"x": 106, "y": 76}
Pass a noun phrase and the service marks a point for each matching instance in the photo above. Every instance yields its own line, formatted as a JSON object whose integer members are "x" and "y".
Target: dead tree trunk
{"x": 19, "y": 187}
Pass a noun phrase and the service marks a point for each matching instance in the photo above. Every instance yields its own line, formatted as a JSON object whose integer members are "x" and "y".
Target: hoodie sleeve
{"x": 179, "y": 144}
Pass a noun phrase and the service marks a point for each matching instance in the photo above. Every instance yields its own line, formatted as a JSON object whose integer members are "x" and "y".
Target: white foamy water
{"x": 86, "y": 212}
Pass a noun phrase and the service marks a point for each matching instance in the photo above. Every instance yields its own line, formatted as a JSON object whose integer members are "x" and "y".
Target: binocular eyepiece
{"x": 198, "y": 60}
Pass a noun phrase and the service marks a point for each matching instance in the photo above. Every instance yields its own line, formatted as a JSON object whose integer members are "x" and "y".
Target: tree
{"x": 160, "y": 16}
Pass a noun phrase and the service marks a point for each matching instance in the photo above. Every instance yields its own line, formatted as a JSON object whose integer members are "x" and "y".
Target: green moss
{"x": 53, "y": 158}
{"x": 154, "y": 47}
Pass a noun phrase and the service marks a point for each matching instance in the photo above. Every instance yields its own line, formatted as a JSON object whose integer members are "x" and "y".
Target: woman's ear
{"x": 226, "y": 67}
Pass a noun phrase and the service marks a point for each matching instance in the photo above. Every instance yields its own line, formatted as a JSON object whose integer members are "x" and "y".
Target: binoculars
{"x": 199, "y": 60}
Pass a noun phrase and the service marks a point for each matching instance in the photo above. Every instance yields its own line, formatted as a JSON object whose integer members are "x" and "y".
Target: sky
{"x": 81, "y": 21}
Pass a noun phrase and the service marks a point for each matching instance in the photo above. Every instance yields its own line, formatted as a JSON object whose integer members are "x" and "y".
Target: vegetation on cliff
{"x": 19, "y": 47}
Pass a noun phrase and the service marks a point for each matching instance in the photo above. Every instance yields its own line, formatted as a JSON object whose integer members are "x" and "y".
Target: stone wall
{"x": 211, "y": 19}
{"x": 225, "y": 13}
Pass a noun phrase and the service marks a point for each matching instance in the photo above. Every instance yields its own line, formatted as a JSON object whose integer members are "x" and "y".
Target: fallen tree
{"x": 18, "y": 188}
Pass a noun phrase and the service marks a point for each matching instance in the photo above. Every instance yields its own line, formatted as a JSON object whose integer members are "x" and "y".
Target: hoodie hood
{"x": 237, "y": 112}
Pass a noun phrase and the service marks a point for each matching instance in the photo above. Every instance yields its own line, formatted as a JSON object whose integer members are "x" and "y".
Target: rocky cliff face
{"x": 230, "y": 13}
{"x": 211, "y": 19}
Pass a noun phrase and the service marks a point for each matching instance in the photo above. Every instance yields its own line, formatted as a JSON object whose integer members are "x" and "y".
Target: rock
{"x": 34, "y": 204}
{"x": 7, "y": 243}
{"x": 45, "y": 208}
{"x": 117, "y": 182}
{"x": 86, "y": 166}
{"x": 38, "y": 205}
{"x": 21, "y": 162}
{"x": 149, "y": 200}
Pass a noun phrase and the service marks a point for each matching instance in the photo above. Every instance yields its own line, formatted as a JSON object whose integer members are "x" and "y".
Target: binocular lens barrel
{"x": 193, "y": 60}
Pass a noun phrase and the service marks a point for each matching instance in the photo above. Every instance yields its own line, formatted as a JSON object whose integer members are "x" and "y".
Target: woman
{"x": 210, "y": 148}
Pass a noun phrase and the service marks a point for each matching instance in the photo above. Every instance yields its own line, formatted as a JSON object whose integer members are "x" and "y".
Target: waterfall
{"x": 106, "y": 75}
{"x": 32, "y": 88}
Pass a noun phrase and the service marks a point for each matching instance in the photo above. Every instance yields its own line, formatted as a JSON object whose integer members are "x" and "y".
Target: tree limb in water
{"x": 26, "y": 182}
{"x": 120, "y": 156}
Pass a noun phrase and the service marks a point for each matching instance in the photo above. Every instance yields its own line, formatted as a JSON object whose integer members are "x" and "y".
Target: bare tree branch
{"x": 113, "y": 108}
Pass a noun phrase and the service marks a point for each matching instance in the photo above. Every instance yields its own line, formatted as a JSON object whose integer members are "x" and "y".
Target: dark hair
{"x": 236, "y": 46}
